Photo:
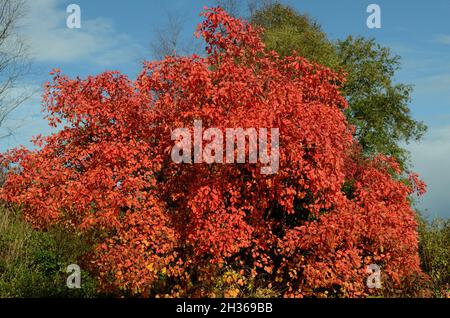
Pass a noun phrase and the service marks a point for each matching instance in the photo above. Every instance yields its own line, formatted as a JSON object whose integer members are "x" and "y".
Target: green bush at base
{"x": 33, "y": 263}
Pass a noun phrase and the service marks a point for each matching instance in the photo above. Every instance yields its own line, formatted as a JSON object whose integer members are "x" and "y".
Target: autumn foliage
{"x": 165, "y": 229}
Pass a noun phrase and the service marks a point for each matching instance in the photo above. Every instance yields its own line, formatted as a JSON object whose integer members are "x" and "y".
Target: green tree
{"x": 286, "y": 30}
{"x": 378, "y": 107}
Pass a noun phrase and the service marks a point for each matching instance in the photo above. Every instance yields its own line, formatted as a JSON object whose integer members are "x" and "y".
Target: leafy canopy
{"x": 167, "y": 229}
{"x": 378, "y": 106}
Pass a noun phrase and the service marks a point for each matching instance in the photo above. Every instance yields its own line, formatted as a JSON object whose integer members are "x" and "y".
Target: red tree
{"x": 171, "y": 229}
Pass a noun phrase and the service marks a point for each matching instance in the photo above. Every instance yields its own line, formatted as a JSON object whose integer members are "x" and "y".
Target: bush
{"x": 33, "y": 263}
{"x": 168, "y": 229}
{"x": 434, "y": 250}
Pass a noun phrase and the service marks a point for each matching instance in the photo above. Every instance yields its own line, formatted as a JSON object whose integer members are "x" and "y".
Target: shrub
{"x": 33, "y": 263}
{"x": 165, "y": 229}
{"x": 435, "y": 254}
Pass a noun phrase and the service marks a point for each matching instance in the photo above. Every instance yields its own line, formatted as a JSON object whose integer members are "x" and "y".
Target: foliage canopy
{"x": 166, "y": 229}
{"x": 378, "y": 107}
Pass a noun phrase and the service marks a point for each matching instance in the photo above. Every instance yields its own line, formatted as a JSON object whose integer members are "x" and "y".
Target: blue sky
{"x": 116, "y": 35}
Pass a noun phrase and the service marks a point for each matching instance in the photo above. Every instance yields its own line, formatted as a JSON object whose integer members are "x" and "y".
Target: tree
{"x": 168, "y": 40}
{"x": 14, "y": 63}
{"x": 163, "y": 228}
{"x": 286, "y": 31}
{"x": 254, "y": 5}
{"x": 234, "y": 7}
{"x": 378, "y": 107}
{"x": 230, "y": 6}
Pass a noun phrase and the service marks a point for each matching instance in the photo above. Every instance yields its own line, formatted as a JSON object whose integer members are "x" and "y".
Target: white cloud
{"x": 431, "y": 160}
{"x": 44, "y": 28}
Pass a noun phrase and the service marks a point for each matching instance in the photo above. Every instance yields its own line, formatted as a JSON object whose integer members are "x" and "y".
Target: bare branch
{"x": 255, "y": 5}
{"x": 14, "y": 61}
{"x": 231, "y": 6}
{"x": 168, "y": 40}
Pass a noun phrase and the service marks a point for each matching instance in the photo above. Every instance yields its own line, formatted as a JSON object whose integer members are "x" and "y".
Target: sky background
{"x": 116, "y": 35}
